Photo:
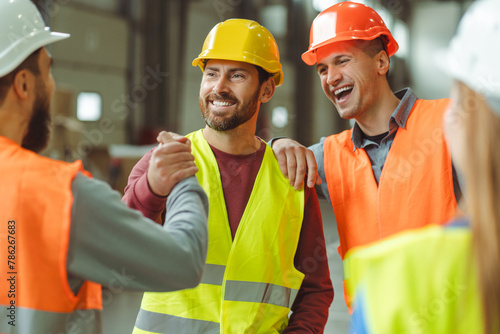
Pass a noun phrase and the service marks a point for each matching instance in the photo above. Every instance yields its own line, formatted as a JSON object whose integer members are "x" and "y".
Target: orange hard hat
{"x": 343, "y": 22}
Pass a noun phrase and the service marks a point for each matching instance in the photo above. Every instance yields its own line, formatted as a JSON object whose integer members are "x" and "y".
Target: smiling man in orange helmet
{"x": 266, "y": 251}
{"x": 392, "y": 171}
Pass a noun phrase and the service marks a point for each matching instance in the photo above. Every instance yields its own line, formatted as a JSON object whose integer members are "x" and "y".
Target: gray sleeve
{"x": 318, "y": 150}
{"x": 112, "y": 244}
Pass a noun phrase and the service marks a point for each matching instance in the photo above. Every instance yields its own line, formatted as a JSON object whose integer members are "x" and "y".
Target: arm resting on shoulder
{"x": 295, "y": 161}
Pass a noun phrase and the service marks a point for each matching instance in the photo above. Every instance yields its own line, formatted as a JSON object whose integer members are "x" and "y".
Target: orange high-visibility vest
{"x": 35, "y": 217}
{"x": 415, "y": 187}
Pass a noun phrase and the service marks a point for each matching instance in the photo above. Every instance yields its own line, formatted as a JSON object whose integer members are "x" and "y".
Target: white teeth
{"x": 221, "y": 103}
{"x": 340, "y": 90}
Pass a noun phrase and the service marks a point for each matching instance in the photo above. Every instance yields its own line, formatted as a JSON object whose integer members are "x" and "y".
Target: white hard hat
{"x": 22, "y": 31}
{"x": 473, "y": 56}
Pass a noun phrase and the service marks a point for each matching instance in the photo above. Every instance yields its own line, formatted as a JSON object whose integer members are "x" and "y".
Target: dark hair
{"x": 263, "y": 74}
{"x": 30, "y": 64}
{"x": 372, "y": 47}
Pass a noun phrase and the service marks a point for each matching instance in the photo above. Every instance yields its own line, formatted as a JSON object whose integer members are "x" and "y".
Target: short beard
{"x": 242, "y": 115}
{"x": 38, "y": 135}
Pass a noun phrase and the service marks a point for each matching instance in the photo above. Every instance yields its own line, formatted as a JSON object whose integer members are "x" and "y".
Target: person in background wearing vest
{"x": 266, "y": 250}
{"x": 392, "y": 171}
{"x": 62, "y": 232}
{"x": 448, "y": 277}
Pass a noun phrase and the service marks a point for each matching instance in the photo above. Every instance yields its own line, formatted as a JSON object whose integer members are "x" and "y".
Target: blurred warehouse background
{"x": 125, "y": 74}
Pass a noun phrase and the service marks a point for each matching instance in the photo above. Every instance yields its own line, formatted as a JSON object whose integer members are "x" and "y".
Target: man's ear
{"x": 267, "y": 90}
{"x": 23, "y": 83}
{"x": 383, "y": 62}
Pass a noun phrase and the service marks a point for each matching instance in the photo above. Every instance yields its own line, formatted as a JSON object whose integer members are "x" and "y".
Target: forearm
{"x": 138, "y": 194}
{"x": 310, "y": 308}
{"x": 111, "y": 243}
{"x": 182, "y": 206}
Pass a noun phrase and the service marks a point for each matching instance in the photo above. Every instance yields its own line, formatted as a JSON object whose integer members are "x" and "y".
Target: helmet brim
{"x": 309, "y": 57}
{"x": 26, "y": 47}
{"x": 201, "y": 60}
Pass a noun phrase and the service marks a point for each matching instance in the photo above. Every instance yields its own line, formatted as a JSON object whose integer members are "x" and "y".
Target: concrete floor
{"x": 120, "y": 308}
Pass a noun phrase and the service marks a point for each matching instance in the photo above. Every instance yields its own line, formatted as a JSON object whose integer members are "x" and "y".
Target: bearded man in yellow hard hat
{"x": 266, "y": 252}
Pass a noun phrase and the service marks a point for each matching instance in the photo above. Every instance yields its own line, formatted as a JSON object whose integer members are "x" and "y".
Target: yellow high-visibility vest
{"x": 249, "y": 284}
{"x": 422, "y": 281}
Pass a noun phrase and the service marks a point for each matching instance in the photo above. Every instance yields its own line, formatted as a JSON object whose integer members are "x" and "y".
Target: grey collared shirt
{"x": 377, "y": 152}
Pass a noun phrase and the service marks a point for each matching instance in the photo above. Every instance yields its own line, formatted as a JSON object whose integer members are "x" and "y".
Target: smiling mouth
{"x": 219, "y": 103}
{"x": 342, "y": 93}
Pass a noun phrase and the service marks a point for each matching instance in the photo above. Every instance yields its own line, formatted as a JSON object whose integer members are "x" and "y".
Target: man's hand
{"x": 170, "y": 163}
{"x": 295, "y": 160}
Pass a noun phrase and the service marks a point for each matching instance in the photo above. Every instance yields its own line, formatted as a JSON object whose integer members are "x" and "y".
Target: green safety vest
{"x": 249, "y": 284}
{"x": 422, "y": 281}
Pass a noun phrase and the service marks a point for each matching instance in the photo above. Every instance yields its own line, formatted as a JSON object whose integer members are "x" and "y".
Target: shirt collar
{"x": 399, "y": 116}
{"x": 408, "y": 98}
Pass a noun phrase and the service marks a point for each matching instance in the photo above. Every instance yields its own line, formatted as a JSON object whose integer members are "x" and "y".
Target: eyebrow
{"x": 234, "y": 69}
{"x": 334, "y": 59}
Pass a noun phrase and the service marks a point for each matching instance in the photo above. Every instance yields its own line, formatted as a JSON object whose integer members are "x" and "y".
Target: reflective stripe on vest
{"x": 213, "y": 274}
{"x": 255, "y": 292}
{"x": 421, "y": 281}
{"x": 415, "y": 187}
{"x": 35, "y": 214}
{"x": 235, "y": 291}
{"x": 248, "y": 284}
{"x": 28, "y": 321}
{"x": 153, "y": 322}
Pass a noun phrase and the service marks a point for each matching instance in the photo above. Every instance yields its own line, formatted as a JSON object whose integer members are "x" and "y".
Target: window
{"x": 88, "y": 106}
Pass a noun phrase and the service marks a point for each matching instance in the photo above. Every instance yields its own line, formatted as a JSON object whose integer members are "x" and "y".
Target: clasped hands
{"x": 171, "y": 162}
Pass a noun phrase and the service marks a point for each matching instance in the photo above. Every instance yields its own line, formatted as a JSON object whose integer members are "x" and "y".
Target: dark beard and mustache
{"x": 225, "y": 123}
{"x": 37, "y": 137}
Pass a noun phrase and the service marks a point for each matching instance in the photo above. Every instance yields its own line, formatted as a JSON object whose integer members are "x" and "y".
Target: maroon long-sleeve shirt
{"x": 238, "y": 173}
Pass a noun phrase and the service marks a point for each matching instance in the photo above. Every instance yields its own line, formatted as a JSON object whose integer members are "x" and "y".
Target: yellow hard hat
{"x": 242, "y": 40}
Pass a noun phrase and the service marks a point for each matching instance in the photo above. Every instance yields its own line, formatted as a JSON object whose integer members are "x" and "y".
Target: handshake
{"x": 171, "y": 162}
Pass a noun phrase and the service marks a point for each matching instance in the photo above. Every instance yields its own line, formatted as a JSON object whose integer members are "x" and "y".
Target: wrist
{"x": 154, "y": 191}
{"x": 273, "y": 140}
